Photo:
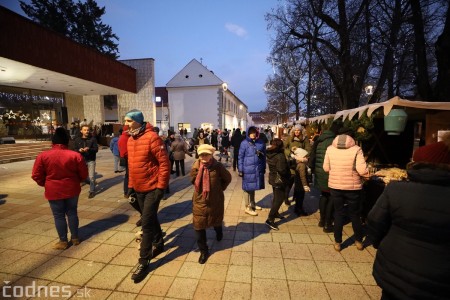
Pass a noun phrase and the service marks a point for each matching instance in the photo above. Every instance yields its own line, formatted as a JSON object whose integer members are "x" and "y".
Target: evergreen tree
{"x": 78, "y": 21}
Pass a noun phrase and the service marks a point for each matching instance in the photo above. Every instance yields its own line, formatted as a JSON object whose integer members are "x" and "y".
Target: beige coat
{"x": 344, "y": 160}
{"x": 209, "y": 212}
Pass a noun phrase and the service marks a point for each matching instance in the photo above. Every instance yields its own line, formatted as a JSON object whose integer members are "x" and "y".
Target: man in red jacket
{"x": 149, "y": 173}
{"x": 61, "y": 171}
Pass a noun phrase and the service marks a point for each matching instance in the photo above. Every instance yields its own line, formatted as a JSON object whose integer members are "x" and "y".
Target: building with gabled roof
{"x": 199, "y": 98}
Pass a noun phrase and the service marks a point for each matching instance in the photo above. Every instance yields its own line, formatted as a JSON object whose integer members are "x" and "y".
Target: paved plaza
{"x": 251, "y": 262}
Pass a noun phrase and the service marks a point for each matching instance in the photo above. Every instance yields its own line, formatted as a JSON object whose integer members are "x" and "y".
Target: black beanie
{"x": 60, "y": 136}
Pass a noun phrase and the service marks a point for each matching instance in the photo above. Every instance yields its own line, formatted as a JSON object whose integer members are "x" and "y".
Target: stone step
{"x": 21, "y": 151}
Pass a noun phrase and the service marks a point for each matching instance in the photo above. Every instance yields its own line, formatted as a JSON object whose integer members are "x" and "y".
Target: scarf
{"x": 203, "y": 178}
{"x": 137, "y": 131}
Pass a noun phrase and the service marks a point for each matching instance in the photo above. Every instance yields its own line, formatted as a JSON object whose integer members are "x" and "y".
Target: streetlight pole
{"x": 159, "y": 100}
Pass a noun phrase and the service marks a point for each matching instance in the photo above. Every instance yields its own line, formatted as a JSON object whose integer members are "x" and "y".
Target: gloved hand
{"x": 241, "y": 174}
{"x": 159, "y": 193}
{"x": 131, "y": 192}
{"x": 306, "y": 188}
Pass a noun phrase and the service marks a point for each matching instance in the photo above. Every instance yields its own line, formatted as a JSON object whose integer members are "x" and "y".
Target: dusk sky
{"x": 230, "y": 37}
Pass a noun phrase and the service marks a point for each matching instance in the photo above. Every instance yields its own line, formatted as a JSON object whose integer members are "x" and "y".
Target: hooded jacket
{"x": 252, "y": 163}
{"x": 410, "y": 226}
{"x": 323, "y": 141}
{"x": 345, "y": 163}
{"x": 148, "y": 161}
{"x": 277, "y": 163}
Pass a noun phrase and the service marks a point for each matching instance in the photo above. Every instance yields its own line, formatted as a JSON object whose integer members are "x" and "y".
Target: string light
{"x": 29, "y": 98}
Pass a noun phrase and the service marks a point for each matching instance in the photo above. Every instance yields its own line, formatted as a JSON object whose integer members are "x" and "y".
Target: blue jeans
{"x": 62, "y": 208}
{"x": 91, "y": 170}
{"x": 353, "y": 200}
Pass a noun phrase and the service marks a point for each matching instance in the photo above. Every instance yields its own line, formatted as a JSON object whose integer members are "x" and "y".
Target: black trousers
{"x": 178, "y": 164}
{"x": 200, "y": 235}
{"x": 353, "y": 200}
{"x": 279, "y": 195}
{"x": 326, "y": 208}
{"x": 151, "y": 228}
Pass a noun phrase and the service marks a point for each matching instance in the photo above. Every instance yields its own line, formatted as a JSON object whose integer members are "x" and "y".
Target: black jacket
{"x": 410, "y": 226}
{"x": 90, "y": 142}
{"x": 277, "y": 163}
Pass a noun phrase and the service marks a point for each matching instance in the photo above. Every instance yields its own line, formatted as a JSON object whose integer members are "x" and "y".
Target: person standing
{"x": 214, "y": 139}
{"x": 301, "y": 184}
{"x": 236, "y": 141}
{"x": 252, "y": 167}
{"x": 224, "y": 144}
{"x": 296, "y": 139}
{"x": 168, "y": 142}
{"x": 278, "y": 176}
{"x": 114, "y": 147}
{"x": 345, "y": 163}
{"x": 149, "y": 172}
{"x": 87, "y": 146}
{"x": 61, "y": 171}
{"x": 123, "y": 152}
{"x": 210, "y": 179}
{"x": 179, "y": 149}
{"x": 317, "y": 157}
{"x": 410, "y": 226}
{"x": 200, "y": 140}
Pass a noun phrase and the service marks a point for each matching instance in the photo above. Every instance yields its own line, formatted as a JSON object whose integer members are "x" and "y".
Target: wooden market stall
{"x": 388, "y": 152}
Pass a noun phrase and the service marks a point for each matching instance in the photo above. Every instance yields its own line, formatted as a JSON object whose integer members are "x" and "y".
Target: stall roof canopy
{"x": 388, "y": 105}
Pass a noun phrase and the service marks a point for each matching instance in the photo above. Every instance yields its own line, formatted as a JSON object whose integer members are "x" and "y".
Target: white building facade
{"x": 199, "y": 99}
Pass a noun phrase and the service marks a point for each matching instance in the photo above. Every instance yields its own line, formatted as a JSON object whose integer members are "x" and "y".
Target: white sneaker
{"x": 250, "y": 212}
{"x": 258, "y": 207}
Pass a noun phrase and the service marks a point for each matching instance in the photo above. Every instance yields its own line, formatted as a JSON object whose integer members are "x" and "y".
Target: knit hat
{"x": 252, "y": 129}
{"x": 299, "y": 153}
{"x": 298, "y": 127}
{"x": 60, "y": 136}
{"x": 205, "y": 148}
{"x": 135, "y": 115}
{"x": 437, "y": 153}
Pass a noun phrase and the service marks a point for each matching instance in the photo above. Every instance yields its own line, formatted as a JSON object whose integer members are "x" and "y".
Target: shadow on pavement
{"x": 98, "y": 226}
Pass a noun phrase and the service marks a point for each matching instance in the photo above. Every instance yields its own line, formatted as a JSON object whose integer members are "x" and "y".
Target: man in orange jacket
{"x": 149, "y": 173}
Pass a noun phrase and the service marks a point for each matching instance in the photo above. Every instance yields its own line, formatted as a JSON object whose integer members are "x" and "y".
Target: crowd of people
{"x": 409, "y": 217}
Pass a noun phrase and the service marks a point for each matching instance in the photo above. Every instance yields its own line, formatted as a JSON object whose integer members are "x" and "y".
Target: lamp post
{"x": 159, "y": 100}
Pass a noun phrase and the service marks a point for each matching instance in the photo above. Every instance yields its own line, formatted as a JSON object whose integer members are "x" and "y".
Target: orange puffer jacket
{"x": 344, "y": 160}
{"x": 148, "y": 161}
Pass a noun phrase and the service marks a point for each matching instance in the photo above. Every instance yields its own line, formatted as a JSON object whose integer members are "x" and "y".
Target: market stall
{"x": 388, "y": 134}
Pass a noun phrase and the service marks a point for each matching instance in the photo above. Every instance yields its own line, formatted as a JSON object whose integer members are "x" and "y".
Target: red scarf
{"x": 203, "y": 178}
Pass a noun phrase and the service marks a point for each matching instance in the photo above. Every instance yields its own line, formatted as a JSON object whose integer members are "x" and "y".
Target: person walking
{"x": 149, "y": 173}
{"x": 87, "y": 146}
{"x": 296, "y": 139}
{"x": 344, "y": 161}
{"x": 179, "y": 149}
{"x": 279, "y": 174}
{"x": 317, "y": 157}
{"x": 210, "y": 179}
{"x": 236, "y": 141}
{"x": 114, "y": 147}
{"x": 61, "y": 171}
{"x": 410, "y": 226}
{"x": 252, "y": 167}
{"x": 224, "y": 144}
{"x": 168, "y": 142}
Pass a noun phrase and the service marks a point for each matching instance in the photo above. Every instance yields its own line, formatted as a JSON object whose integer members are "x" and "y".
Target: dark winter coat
{"x": 225, "y": 140}
{"x": 321, "y": 177}
{"x": 277, "y": 163}
{"x": 91, "y": 143}
{"x": 252, "y": 164}
{"x": 209, "y": 212}
{"x": 236, "y": 141}
{"x": 410, "y": 226}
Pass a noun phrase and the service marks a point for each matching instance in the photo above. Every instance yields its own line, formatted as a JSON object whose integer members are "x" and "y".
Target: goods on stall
{"x": 391, "y": 174}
